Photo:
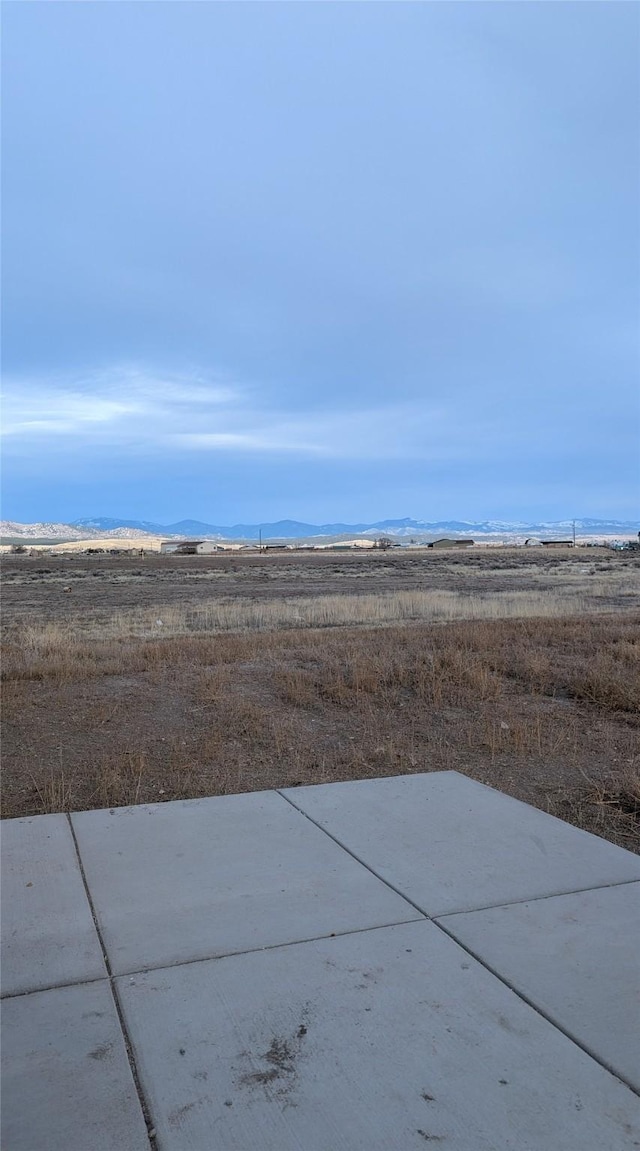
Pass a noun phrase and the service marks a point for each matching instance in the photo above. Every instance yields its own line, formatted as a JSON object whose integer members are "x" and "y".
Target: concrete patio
{"x": 360, "y": 966}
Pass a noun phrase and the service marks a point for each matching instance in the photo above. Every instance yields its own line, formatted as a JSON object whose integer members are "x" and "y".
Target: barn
{"x": 447, "y": 543}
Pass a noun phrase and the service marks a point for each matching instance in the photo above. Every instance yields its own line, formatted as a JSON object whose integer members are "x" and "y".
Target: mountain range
{"x": 406, "y": 529}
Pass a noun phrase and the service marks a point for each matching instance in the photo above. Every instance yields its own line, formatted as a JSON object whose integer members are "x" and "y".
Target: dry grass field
{"x": 129, "y": 680}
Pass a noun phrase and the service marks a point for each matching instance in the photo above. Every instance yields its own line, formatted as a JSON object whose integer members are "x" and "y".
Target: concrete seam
{"x": 144, "y": 1106}
{"x": 270, "y": 947}
{"x": 353, "y": 855}
{"x": 458, "y": 910}
{"x": 214, "y": 958}
{"x": 491, "y": 970}
{"x": 538, "y": 1010}
{"x": 53, "y": 987}
{"x": 536, "y": 898}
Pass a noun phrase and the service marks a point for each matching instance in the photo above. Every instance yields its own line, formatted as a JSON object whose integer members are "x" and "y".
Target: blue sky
{"x": 321, "y": 261}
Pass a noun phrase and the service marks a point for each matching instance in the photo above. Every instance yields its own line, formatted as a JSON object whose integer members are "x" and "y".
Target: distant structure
{"x": 446, "y": 543}
{"x": 345, "y": 545}
{"x": 189, "y": 547}
{"x": 557, "y": 543}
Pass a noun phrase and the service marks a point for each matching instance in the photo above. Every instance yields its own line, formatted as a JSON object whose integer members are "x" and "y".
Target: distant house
{"x": 557, "y": 543}
{"x": 189, "y": 547}
{"x": 446, "y": 543}
{"x": 208, "y": 547}
{"x": 180, "y": 547}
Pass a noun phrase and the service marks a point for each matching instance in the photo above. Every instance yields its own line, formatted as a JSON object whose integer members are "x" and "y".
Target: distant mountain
{"x": 400, "y": 529}
{"x": 45, "y": 531}
{"x": 9, "y": 530}
{"x": 296, "y": 529}
{"x": 106, "y": 524}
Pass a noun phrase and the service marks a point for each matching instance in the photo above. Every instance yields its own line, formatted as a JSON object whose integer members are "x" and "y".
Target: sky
{"x": 321, "y": 261}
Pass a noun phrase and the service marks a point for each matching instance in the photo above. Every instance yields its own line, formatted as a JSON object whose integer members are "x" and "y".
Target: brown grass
{"x": 546, "y": 709}
{"x": 573, "y": 597}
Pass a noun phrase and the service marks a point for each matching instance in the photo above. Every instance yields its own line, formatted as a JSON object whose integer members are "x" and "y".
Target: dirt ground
{"x": 34, "y": 586}
{"x": 545, "y": 709}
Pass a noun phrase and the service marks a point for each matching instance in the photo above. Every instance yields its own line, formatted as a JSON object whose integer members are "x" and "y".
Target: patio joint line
{"x": 487, "y": 966}
{"x": 459, "y": 910}
{"x": 53, "y": 987}
{"x": 149, "y": 970}
{"x": 536, "y": 898}
{"x": 543, "y": 1015}
{"x": 268, "y": 947}
{"x": 357, "y": 858}
{"x": 144, "y": 1106}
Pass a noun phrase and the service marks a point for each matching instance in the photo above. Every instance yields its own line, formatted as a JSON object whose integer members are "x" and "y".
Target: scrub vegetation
{"x": 524, "y": 674}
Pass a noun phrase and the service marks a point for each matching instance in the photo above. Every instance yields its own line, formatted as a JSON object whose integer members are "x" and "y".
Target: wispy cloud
{"x": 136, "y": 407}
{"x": 105, "y": 404}
{"x": 119, "y": 406}
{"x": 135, "y": 410}
{"x": 68, "y": 413}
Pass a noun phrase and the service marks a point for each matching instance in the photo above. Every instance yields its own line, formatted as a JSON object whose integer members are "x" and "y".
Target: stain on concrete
{"x": 279, "y": 1064}
{"x": 262, "y": 1077}
{"x": 175, "y": 1117}
{"x": 507, "y": 1025}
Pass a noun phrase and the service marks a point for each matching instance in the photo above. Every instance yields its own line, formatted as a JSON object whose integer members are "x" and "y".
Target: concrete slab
{"x": 48, "y": 935}
{"x": 390, "y": 1038}
{"x": 577, "y": 958}
{"x": 66, "y": 1080}
{"x": 184, "y": 881}
{"x": 451, "y": 844}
